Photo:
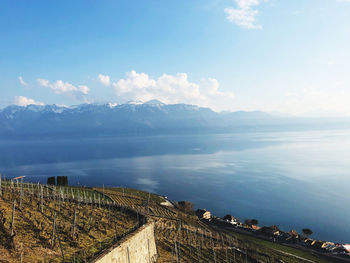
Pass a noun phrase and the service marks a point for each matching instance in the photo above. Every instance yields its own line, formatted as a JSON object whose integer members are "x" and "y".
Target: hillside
{"x": 74, "y": 224}
{"x": 182, "y": 237}
{"x": 57, "y": 224}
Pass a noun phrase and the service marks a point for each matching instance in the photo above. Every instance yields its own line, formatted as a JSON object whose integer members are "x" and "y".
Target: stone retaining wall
{"x": 137, "y": 247}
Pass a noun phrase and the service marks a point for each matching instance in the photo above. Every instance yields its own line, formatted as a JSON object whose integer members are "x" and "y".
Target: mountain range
{"x": 137, "y": 118}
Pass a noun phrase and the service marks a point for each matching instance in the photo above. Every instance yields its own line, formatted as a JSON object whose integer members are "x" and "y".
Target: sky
{"x": 291, "y": 57}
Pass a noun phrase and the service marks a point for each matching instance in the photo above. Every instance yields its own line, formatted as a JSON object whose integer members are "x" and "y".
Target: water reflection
{"x": 295, "y": 180}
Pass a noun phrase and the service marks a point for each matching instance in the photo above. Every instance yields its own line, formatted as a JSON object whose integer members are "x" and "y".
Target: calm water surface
{"x": 294, "y": 180}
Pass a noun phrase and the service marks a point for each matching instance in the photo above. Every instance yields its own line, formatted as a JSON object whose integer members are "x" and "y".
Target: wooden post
{"x": 20, "y": 200}
{"x": 0, "y": 185}
{"x": 78, "y": 196}
{"x": 202, "y": 240}
{"x": 230, "y": 247}
{"x": 149, "y": 252}
{"x": 226, "y": 252}
{"x": 116, "y": 228}
{"x": 59, "y": 200}
{"x": 53, "y": 230}
{"x": 212, "y": 246}
{"x": 41, "y": 199}
{"x": 172, "y": 254}
{"x": 198, "y": 252}
{"x": 128, "y": 254}
{"x": 234, "y": 254}
{"x": 59, "y": 242}
{"x": 176, "y": 252}
{"x": 179, "y": 232}
{"x": 84, "y": 197}
{"x": 149, "y": 197}
{"x": 13, "y": 217}
{"x": 74, "y": 222}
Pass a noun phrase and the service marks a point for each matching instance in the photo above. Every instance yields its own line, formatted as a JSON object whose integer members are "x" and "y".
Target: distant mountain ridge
{"x": 136, "y": 118}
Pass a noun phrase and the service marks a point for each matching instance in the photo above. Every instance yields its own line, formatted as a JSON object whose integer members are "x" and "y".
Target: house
{"x": 291, "y": 236}
{"x": 340, "y": 249}
{"x": 327, "y": 245}
{"x": 293, "y": 233}
{"x": 256, "y": 228}
{"x": 308, "y": 241}
{"x": 270, "y": 231}
{"x": 231, "y": 219}
{"x": 203, "y": 214}
{"x": 347, "y": 247}
{"x": 317, "y": 244}
{"x": 330, "y": 248}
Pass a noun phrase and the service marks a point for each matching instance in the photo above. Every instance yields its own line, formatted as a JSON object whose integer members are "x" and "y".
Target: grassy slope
{"x": 256, "y": 242}
{"x": 189, "y": 238}
{"x": 195, "y": 241}
{"x": 33, "y": 240}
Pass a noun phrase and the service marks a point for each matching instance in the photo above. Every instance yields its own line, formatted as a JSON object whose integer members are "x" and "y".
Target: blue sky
{"x": 272, "y": 55}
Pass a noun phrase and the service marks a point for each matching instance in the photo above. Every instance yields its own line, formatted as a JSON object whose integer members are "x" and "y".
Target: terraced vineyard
{"x": 42, "y": 223}
{"x": 182, "y": 237}
{"x": 186, "y": 243}
{"x": 150, "y": 205}
{"x": 147, "y": 204}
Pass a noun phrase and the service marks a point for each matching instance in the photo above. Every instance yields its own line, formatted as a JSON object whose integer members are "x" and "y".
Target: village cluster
{"x": 274, "y": 234}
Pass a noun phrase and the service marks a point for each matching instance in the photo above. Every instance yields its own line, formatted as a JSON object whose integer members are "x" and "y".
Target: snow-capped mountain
{"x": 135, "y": 118}
{"x": 152, "y": 117}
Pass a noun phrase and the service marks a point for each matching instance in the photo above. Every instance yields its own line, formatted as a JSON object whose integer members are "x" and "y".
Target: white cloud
{"x": 104, "y": 79}
{"x": 24, "y": 101}
{"x": 83, "y": 89}
{"x": 246, "y": 4}
{"x": 244, "y": 15}
{"x": 22, "y": 81}
{"x": 61, "y": 87}
{"x": 172, "y": 89}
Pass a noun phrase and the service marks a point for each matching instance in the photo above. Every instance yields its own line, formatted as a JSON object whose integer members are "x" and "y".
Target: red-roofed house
{"x": 347, "y": 247}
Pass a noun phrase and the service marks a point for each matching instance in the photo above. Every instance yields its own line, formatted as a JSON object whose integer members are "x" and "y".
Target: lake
{"x": 292, "y": 179}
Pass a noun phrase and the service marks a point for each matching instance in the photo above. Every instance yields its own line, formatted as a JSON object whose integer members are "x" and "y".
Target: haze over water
{"x": 291, "y": 179}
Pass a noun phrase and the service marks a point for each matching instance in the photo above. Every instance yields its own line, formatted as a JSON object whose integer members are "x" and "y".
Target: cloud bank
{"x": 24, "y": 101}
{"x": 104, "y": 79}
{"x": 172, "y": 89}
{"x": 60, "y": 87}
{"x": 244, "y": 15}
